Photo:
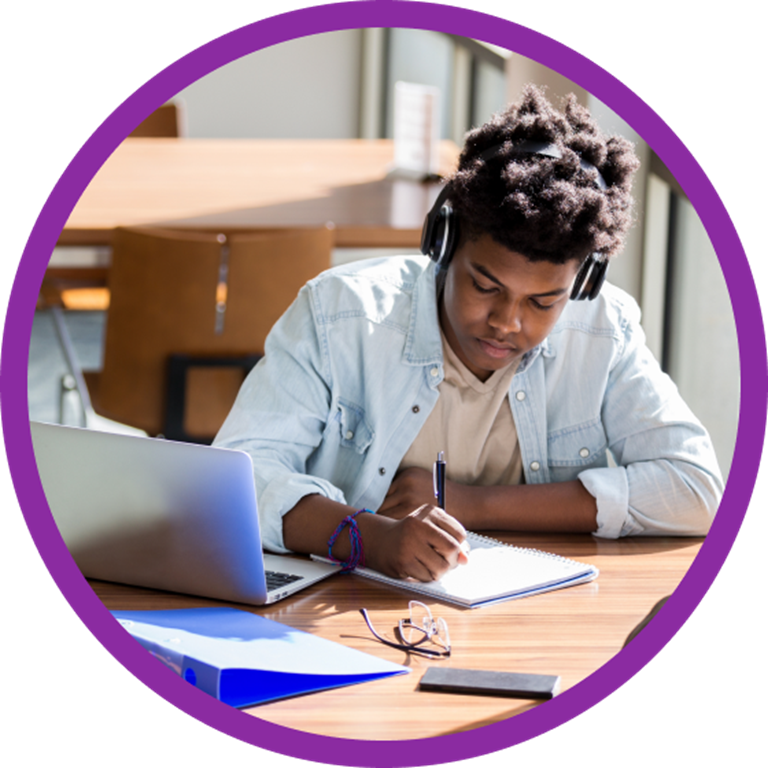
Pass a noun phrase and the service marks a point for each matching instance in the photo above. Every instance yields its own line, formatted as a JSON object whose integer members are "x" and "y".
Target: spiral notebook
{"x": 496, "y": 572}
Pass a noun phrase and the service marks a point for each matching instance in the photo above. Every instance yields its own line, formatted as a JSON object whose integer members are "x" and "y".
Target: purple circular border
{"x": 350, "y": 15}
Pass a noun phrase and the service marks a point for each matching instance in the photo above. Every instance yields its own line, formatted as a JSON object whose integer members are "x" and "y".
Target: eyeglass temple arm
{"x": 400, "y": 646}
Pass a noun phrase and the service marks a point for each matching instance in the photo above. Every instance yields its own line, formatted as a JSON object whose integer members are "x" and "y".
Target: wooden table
{"x": 571, "y": 633}
{"x": 243, "y": 184}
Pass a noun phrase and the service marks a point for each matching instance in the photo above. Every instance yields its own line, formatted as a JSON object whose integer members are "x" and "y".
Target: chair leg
{"x": 67, "y": 386}
{"x": 73, "y": 381}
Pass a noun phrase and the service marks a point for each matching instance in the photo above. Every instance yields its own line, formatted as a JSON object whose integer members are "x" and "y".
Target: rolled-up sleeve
{"x": 666, "y": 480}
{"x": 280, "y": 415}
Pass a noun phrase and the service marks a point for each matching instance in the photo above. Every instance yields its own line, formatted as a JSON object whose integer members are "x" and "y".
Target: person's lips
{"x": 496, "y": 349}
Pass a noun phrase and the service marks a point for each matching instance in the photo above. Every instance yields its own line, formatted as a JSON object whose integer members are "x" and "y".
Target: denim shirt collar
{"x": 423, "y": 345}
{"x": 545, "y": 349}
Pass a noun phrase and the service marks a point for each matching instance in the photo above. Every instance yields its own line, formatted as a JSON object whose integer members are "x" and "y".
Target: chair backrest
{"x": 203, "y": 295}
{"x": 163, "y": 123}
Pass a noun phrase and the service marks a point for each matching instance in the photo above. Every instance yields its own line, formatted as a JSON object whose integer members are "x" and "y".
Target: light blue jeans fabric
{"x": 351, "y": 372}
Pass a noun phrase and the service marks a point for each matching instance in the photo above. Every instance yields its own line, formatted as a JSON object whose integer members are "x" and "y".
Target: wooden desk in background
{"x": 251, "y": 184}
{"x": 238, "y": 185}
{"x": 571, "y": 633}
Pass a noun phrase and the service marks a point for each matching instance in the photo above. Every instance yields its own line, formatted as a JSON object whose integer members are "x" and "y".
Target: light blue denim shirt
{"x": 351, "y": 372}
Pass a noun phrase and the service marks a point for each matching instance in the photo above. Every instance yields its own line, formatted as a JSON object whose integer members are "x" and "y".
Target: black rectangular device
{"x": 489, "y": 683}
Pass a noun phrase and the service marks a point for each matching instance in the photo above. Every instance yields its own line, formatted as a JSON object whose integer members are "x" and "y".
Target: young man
{"x": 503, "y": 349}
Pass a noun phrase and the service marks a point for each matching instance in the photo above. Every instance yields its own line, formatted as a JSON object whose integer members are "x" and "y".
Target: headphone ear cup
{"x": 446, "y": 237}
{"x": 589, "y": 279}
{"x": 439, "y": 235}
{"x": 428, "y": 233}
{"x": 582, "y": 276}
{"x": 438, "y": 232}
{"x": 599, "y": 273}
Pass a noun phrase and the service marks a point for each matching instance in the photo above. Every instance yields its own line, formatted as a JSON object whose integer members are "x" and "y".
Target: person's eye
{"x": 480, "y": 288}
{"x": 542, "y": 307}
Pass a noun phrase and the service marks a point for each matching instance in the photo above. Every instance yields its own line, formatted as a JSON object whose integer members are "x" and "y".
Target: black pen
{"x": 438, "y": 480}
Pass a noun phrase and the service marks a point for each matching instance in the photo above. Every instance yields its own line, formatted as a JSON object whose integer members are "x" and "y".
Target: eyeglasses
{"x": 417, "y": 630}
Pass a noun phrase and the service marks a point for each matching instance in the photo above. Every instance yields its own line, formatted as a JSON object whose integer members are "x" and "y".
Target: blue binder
{"x": 243, "y": 659}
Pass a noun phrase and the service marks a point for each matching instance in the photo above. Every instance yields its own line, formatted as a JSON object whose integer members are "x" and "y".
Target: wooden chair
{"x": 188, "y": 316}
{"x": 163, "y": 123}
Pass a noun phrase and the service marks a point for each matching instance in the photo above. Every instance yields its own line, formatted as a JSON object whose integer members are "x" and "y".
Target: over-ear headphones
{"x": 440, "y": 233}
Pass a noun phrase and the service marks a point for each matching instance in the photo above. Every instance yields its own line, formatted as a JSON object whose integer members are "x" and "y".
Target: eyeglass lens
{"x": 421, "y": 624}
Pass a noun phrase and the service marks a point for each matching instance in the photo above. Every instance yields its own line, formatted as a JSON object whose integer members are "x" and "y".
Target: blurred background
{"x": 340, "y": 86}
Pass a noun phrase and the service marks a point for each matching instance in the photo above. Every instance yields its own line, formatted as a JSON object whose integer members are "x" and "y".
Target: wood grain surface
{"x": 570, "y": 632}
{"x": 246, "y": 184}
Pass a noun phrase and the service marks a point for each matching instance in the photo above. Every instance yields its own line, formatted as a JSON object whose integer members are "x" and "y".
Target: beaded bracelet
{"x": 357, "y": 556}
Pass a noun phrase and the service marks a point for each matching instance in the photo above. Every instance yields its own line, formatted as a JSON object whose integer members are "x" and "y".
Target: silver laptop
{"x": 165, "y": 515}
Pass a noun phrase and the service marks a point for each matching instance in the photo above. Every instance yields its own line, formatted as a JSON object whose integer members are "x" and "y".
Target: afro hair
{"x": 545, "y": 208}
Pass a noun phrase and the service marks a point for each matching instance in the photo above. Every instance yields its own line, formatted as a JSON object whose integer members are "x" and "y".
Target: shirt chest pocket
{"x": 354, "y": 431}
{"x": 575, "y": 448}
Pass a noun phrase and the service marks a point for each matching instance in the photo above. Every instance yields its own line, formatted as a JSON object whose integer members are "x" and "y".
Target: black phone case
{"x": 488, "y": 683}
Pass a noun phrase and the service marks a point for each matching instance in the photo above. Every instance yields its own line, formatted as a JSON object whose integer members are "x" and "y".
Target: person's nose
{"x": 506, "y": 317}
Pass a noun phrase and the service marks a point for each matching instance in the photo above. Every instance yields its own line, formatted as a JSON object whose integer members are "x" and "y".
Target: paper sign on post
{"x": 416, "y": 130}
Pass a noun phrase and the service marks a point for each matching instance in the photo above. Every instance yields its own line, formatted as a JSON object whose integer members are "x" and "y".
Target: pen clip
{"x": 434, "y": 480}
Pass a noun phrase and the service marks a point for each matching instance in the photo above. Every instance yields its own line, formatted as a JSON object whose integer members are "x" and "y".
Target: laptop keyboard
{"x": 275, "y": 579}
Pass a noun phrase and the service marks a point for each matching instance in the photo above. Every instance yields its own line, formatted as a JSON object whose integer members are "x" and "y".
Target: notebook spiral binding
{"x": 472, "y": 536}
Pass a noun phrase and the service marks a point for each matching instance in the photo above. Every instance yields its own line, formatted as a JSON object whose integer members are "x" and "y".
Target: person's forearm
{"x": 548, "y": 508}
{"x": 311, "y": 523}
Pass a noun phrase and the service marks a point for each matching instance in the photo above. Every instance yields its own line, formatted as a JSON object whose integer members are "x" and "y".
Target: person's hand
{"x": 413, "y": 487}
{"x": 410, "y": 489}
{"x": 423, "y": 545}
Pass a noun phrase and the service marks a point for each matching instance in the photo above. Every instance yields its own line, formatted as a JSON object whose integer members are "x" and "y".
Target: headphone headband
{"x": 530, "y": 147}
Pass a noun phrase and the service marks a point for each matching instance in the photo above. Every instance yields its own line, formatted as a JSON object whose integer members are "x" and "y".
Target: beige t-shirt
{"x": 472, "y": 423}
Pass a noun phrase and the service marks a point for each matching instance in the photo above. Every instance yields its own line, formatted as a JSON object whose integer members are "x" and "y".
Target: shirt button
{"x": 435, "y": 371}
{"x": 520, "y": 395}
{"x": 382, "y": 471}
{"x": 350, "y": 434}
{"x": 535, "y": 466}
{"x": 415, "y": 409}
{"x": 584, "y": 452}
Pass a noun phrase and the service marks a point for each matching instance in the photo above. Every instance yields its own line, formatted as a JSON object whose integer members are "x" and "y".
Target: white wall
{"x": 521, "y": 70}
{"x": 304, "y": 88}
{"x": 425, "y": 57}
{"x": 491, "y": 93}
{"x": 704, "y": 360}
{"x": 627, "y": 267}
